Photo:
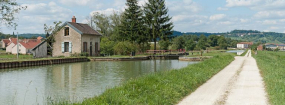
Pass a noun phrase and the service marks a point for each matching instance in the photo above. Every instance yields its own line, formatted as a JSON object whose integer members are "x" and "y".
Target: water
{"x": 73, "y": 82}
{"x": 238, "y": 52}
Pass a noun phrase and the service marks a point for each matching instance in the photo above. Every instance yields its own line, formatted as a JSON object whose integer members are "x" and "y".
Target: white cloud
{"x": 108, "y": 11}
{"x": 183, "y": 7}
{"x": 270, "y": 14}
{"x": 238, "y": 3}
{"x": 274, "y": 28}
{"x": 225, "y": 23}
{"x": 75, "y": 2}
{"x": 217, "y": 17}
{"x": 36, "y": 15}
{"x": 268, "y": 22}
{"x": 244, "y": 20}
{"x": 222, "y": 9}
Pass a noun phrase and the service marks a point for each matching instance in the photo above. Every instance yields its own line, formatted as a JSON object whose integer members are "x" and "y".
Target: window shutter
{"x": 62, "y": 47}
{"x": 70, "y": 47}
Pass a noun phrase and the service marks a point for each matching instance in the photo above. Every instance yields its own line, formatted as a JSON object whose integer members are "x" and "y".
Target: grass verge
{"x": 162, "y": 88}
{"x": 243, "y": 54}
{"x": 272, "y": 69}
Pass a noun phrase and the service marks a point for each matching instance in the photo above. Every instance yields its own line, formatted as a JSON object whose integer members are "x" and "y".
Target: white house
{"x": 24, "y": 45}
{"x": 11, "y": 44}
{"x": 244, "y": 45}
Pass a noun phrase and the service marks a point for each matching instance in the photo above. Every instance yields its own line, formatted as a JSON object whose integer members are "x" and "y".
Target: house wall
{"x": 9, "y": 48}
{"x": 2, "y": 44}
{"x": 22, "y": 49}
{"x": 74, "y": 37}
{"x": 242, "y": 46}
{"x": 93, "y": 39}
{"x": 281, "y": 47}
{"x": 40, "y": 51}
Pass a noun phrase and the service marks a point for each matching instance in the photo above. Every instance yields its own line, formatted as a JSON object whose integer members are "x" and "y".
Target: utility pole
{"x": 17, "y": 46}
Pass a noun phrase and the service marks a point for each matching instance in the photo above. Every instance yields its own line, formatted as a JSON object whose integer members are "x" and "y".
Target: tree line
{"x": 132, "y": 29}
{"x": 193, "y": 42}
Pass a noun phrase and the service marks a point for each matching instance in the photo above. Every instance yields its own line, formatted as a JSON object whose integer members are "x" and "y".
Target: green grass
{"x": 210, "y": 53}
{"x": 162, "y": 88}
{"x": 272, "y": 66}
{"x": 13, "y": 58}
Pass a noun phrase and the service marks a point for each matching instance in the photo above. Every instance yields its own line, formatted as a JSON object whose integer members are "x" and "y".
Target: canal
{"x": 73, "y": 82}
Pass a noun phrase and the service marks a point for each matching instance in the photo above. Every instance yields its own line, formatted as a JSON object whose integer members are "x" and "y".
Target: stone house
{"x": 76, "y": 38}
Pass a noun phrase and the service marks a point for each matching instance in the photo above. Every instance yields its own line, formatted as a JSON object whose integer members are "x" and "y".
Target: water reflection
{"x": 74, "y": 82}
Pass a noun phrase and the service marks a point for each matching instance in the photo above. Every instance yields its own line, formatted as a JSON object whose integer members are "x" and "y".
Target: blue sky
{"x": 187, "y": 15}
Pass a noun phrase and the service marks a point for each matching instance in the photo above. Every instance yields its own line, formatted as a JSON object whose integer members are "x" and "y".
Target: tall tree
{"x": 102, "y": 24}
{"x": 157, "y": 19}
{"x": 178, "y": 43}
{"x": 202, "y": 43}
{"x": 132, "y": 22}
{"x": 222, "y": 42}
{"x": 116, "y": 19}
{"x": 8, "y": 9}
{"x": 213, "y": 40}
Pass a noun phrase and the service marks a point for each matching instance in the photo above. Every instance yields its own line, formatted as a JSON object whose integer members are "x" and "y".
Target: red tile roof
{"x": 13, "y": 40}
{"x": 249, "y": 43}
{"x": 29, "y": 44}
{"x": 6, "y": 41}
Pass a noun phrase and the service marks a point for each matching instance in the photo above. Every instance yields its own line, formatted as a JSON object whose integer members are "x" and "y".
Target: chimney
{"x": 73, "y": 19}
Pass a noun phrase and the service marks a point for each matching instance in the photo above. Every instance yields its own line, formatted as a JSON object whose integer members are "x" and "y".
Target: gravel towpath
{"x": 240, "y": 83}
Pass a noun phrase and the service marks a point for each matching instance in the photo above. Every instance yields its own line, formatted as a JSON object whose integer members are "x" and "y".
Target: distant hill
{"x": 28, "y": 35}
{"x": 257, "y": 36}
{"x": 243, "y": 35}
{"x": 177, "y": 33}
{"x": 21, "y": 36}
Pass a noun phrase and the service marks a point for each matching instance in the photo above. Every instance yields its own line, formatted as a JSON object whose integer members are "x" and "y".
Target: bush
{"x": 106, "y": 46}
{"x": 125, "y": 48}
{"x": 164, "y": 44}
{"x": 84, "y": 54}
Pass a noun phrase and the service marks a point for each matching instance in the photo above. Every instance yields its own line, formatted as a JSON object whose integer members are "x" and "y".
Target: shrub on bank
{"x": 163, "y": 87}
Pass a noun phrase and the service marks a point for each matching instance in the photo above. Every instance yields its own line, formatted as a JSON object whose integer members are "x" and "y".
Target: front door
{"x": 91, "y": 49}
{"x": 96, "y": 49}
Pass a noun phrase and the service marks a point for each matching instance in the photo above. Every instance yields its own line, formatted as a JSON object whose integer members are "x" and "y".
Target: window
{"x": 66, "y": 31}
{"x": 66, "y": 46}
{"x": 84, "y": 46}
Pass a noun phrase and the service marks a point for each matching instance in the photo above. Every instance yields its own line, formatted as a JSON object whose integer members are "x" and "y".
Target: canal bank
{"x": 16, "y": 64}
{"x": 40, "y": 62}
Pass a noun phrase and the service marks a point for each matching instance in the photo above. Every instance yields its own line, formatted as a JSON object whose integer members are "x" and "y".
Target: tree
{"x": 115, "y": 19}
{"x": 202, "y": 43}
{"x": 132, "y": 22}
{"x": 164, "y": 44}
{"x": 222, "y": 42}
{"x": 53, "y": 30}
{"x": 102, "y": 24}
{"x": 190, "y": 44}
{"x": 106, "y": 46}
{"x": 213, "y": 40}
{"x": 178, "y": 43}
{"x": 158, "y": 22}
{"x": 8, "y": 9}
